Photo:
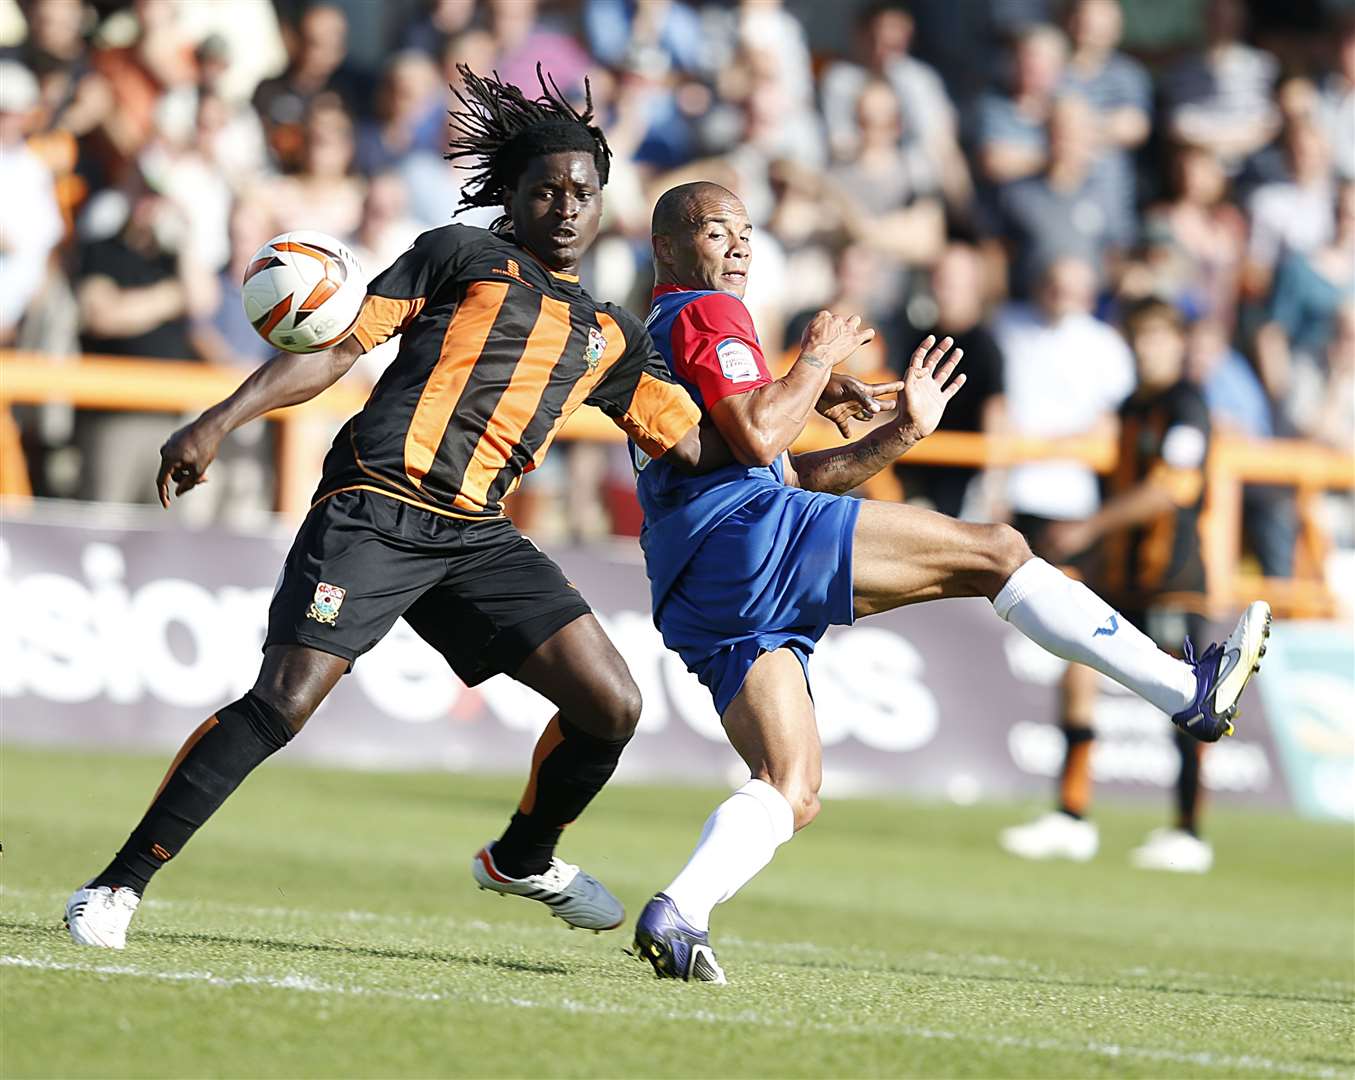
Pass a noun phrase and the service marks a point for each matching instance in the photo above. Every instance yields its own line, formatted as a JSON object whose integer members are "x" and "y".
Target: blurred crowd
{"x": 1005, "y": 171}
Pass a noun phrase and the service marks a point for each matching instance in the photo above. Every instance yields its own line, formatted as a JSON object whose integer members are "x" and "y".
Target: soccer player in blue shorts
{"x": 751, "y": 563}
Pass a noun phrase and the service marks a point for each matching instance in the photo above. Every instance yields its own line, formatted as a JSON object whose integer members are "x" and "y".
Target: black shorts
{"x": 479, "y": 592}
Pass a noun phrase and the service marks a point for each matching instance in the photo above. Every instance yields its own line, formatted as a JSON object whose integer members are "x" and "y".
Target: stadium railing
{"x": 120, "y": 384}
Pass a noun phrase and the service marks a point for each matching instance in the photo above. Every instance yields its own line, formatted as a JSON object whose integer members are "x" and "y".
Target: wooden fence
{"x": 117, "y": 383}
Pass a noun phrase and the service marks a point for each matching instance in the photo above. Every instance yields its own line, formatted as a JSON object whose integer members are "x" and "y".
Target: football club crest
{"x": 325, "y": 607}
{"x": 597, "y": 345}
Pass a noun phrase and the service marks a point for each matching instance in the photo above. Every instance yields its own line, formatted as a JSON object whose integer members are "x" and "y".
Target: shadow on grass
{"x": 48, "y": 934}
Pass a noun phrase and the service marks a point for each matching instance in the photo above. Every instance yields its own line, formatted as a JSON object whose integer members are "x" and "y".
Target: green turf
{"x": 325, "y": 925}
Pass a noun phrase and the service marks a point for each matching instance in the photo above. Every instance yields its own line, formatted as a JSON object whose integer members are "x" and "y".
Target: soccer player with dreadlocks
{"x": 499, "y": 345}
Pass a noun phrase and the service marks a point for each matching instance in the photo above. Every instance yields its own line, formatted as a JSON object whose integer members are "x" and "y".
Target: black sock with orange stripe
{"x": 569, "y": 767}
{"x": 1075, "y": 778}
{"x": 209, "y": 766}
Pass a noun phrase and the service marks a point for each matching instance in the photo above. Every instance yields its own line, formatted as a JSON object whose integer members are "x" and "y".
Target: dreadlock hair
{"x": 501, "y": 130}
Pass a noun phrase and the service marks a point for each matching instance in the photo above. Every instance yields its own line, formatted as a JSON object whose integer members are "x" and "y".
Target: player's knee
{"x": 293, "y": 706}
{"x": 619, "y": 707}
{"x": 806, "y": 807}
{"x": 1005, "y": 550}
{"x": 800, "y": 789}
{"x": 293, "y": 681}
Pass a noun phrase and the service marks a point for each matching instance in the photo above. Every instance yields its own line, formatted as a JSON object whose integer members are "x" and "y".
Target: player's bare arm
{"x": 760, "y": 424}
{"x": 286, "y": 379}
{"x": 927, "y": 389}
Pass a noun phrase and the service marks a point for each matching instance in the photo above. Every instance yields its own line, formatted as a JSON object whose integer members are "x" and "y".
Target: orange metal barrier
{"x": 115, "y": 383}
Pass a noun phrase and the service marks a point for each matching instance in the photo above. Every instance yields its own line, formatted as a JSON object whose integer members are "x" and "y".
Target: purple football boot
{"x": 675, "y": 948}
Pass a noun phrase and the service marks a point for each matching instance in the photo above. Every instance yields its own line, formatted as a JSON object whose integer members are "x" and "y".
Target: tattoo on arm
{"x": 839, "y": 470}
{"x": 812, "y": 361}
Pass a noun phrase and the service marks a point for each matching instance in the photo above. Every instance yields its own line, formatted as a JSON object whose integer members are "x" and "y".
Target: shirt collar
{"x": 572, "y": 279}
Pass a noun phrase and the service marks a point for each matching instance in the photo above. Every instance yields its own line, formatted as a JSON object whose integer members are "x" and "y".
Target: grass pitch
{"x": 324, "y": 924}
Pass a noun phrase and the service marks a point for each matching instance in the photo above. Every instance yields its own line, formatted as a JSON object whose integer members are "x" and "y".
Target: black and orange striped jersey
{"x": 1163, "y": 437}
{"x": 496, "y": 351}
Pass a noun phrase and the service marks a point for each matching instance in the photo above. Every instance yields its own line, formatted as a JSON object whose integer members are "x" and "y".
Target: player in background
{"x": 499, "y": 345}
{"x": 1154, "y": 569}
{"x": 750, "y": 564}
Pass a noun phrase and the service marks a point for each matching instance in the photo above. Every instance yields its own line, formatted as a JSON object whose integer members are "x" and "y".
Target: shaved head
{"x": 682, "y": 208}
{"x": 700, "y": 234}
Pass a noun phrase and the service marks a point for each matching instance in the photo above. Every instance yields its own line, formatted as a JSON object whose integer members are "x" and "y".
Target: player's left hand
{"x": 184, "y": 458}
{"x": 847, "y": 398}
{"x": 928, "y": 386}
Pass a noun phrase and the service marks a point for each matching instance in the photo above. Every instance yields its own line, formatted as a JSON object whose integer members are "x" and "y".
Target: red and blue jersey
{"x": 708, "y": 342}
{"x": 739, "y": 563}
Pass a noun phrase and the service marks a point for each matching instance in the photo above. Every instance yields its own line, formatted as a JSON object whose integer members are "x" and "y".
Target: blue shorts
{"x": 777, "y": 572}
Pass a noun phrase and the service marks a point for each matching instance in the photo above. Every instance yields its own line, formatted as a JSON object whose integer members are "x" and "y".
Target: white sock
{"x": 1064, "y": 617}
{"x": 738, "y": 840}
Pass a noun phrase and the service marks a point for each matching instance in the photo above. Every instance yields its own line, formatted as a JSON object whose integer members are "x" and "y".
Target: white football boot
{"x": 573, "y": 896}
{"x": 1222, "y": 673}
{"x": 100, "y": 916}
{"x": 1173, "y": 849}
{"x": 1054, "y": 836}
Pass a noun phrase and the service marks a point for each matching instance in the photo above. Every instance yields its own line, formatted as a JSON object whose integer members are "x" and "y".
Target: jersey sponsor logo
{"x": 597, "y": 345}
{"x": 514, "y": 271}
{"x": 737, "y": 361}
{"x": 325, "y": 607}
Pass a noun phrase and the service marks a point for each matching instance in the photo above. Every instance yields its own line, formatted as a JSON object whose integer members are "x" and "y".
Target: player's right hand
{"x": 847, "y": 398}
{"x": 832, "y": 338}
{"x": 184, "y": 459}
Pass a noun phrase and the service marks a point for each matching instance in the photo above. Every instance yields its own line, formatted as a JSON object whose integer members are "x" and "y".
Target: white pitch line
{"x": 408, "y": 920}
{"x": 552, "y": 931}
{"x": 306, "y": 984}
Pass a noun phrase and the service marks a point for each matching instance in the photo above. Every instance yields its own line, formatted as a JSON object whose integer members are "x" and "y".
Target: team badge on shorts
{"x": 328, "y": 600}
{"x": 597, "y": 345}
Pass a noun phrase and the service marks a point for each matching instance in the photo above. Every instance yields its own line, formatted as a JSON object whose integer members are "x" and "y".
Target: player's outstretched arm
{"x": 927, "y": 389}
{"x": 286, "y": 379}
{"x": 760, "y": 424}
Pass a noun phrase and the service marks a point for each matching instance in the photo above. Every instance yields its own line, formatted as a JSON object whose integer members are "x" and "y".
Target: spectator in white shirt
{"x": 1294, "y": 216}
{"x": 30, "y": 222}
{"x": 1066, "y": 372}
